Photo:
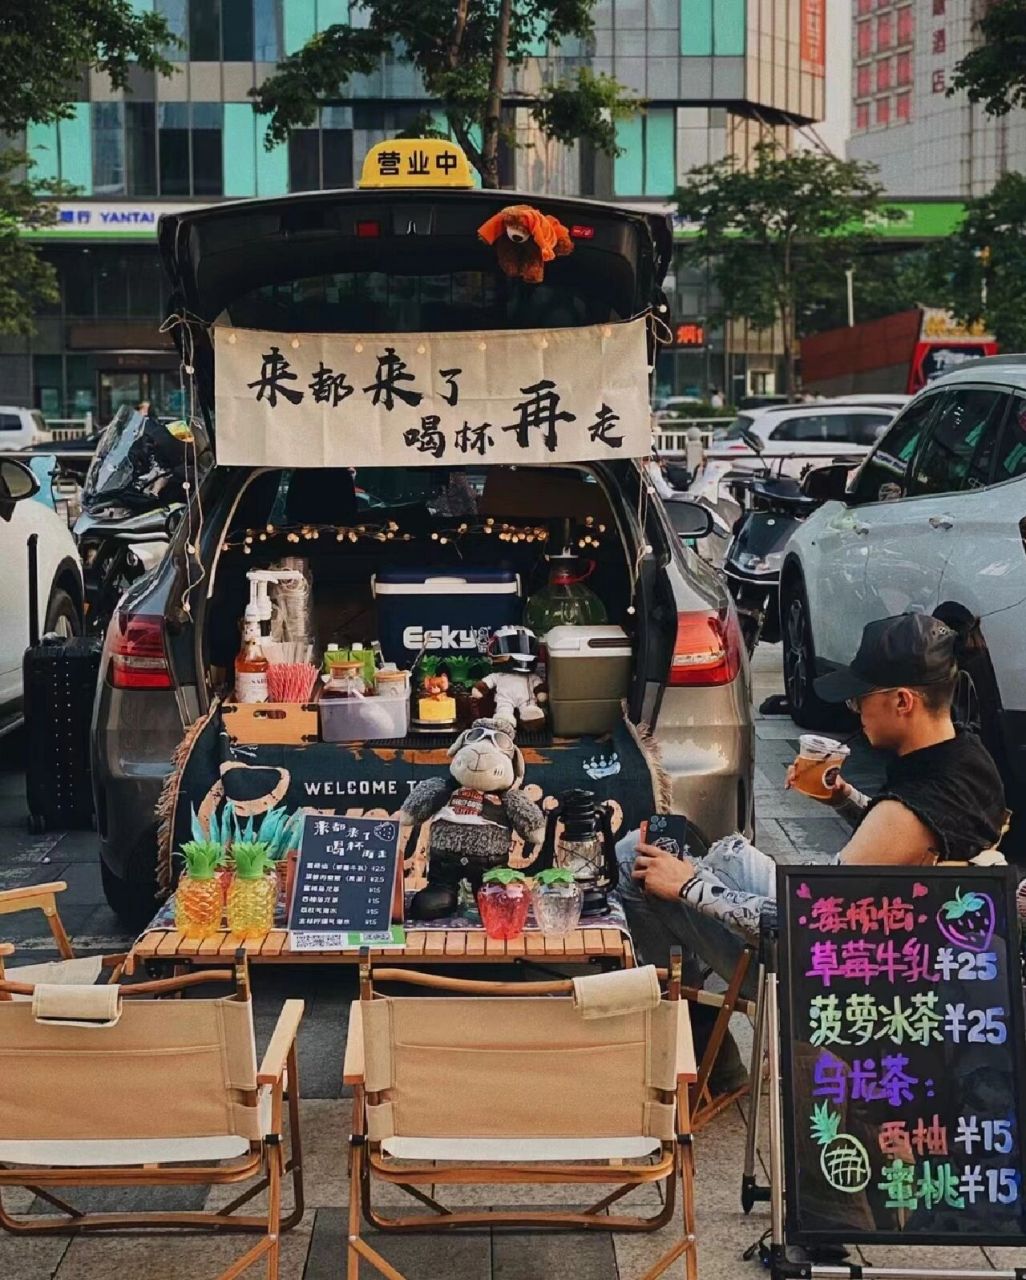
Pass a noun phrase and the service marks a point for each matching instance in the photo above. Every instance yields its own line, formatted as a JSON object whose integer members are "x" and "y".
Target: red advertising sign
{"x": 813, "y": 36}
{"x": 689, "y": 335}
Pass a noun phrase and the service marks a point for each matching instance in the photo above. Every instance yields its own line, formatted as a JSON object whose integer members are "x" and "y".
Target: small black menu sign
{"x": 344, "y": 883}
{"x": 903, "y": 1055}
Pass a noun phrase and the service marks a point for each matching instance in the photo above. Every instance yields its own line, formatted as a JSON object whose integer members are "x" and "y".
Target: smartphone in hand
{"x": 668, "y": 832}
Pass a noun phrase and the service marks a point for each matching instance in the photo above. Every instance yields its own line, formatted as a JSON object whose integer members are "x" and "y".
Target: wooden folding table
{"x": 606, "y": 948}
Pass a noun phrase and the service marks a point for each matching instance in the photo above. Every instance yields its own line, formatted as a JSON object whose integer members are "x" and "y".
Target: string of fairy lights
{"x": 588, "y": 535}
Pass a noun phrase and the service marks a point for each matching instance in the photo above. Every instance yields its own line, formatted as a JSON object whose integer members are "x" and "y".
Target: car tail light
{"x": 580, "y": 232}
{"x": 707, "y": 649}
{"x": 368, "y": 230}
{"x": 138, "y": 657}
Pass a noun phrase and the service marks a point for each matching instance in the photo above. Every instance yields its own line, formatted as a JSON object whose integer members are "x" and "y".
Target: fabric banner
{"x": 402, "y": 399}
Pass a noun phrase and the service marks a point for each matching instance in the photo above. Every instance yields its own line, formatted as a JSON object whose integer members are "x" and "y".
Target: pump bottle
{"x": 250, "y": 664}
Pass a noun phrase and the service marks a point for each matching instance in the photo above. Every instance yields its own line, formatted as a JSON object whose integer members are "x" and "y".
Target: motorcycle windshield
{"x": 767, "y": 532}
{"x": 142, "y": 461}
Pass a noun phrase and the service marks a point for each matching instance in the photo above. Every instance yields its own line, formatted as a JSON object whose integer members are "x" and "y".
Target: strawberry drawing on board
{"x": 967, "y": 920}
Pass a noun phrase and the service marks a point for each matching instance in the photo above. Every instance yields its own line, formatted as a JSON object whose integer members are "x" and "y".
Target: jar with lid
{"x": 392, "y": 684}
{"x": 346, "y": 681}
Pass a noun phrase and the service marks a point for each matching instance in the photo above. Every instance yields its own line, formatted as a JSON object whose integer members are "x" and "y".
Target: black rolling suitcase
{"x": 60, "y": 683}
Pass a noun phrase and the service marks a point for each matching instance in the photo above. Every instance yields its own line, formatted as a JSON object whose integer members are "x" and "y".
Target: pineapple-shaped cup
{"x": 199, "y": 899}
{"x": 253, "y": 892}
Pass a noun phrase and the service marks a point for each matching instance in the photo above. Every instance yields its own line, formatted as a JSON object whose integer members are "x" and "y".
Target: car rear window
{"x": 378, "y": 302}
{"x": 857, "y": 428}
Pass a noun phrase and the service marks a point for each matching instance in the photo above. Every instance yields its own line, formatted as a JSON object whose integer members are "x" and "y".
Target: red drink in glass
{"x": 503, "y": 909}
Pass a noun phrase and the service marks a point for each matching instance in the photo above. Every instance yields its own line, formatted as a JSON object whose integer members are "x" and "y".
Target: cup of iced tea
{"x": 818, "y": 764}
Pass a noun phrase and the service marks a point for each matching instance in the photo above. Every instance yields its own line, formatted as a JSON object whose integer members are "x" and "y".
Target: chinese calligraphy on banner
{"x": 903, "y": 1050}
{"x": 812, "y": 47}
{"x": 402, "y": 399}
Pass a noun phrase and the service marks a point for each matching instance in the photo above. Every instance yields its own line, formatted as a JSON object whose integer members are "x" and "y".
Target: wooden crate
{"x": 288, "y": 723}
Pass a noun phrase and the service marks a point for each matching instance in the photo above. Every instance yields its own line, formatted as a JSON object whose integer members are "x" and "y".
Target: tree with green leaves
{"x": 994, "y": 72}
{"x": 885, "y": 281}
{"x": 983, "y": 265}
{"x": 464, "y": 51}
{"x": 45, "y": 48}
{"x": 776, "y": 232}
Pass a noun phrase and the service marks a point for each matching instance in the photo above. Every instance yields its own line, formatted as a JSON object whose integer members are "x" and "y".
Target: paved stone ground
{"x": 790, "y": 828}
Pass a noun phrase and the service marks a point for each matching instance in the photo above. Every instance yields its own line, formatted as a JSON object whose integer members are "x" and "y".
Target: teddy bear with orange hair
{"x": 525, "y": 239}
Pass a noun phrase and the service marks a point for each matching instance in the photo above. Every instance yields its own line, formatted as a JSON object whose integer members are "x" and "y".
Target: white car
{"x": 59, "y": 577}
{"x": 21, "y": 428}
{"x": 934, "y": 518}
{"x": 793, "y": 437}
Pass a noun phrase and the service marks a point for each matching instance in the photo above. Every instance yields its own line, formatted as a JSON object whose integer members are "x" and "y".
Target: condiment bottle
{"x": 250, "y": 663}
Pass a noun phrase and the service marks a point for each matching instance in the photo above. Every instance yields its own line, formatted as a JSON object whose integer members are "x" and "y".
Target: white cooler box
{"x": 589, "y": 675}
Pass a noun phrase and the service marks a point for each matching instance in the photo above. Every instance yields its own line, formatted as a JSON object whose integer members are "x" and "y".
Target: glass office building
{"x": 715, "y": 76}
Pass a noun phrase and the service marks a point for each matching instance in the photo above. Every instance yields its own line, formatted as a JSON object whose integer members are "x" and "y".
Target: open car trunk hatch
{"x": 398, "y": 262}
{"x": 486, "y": 525}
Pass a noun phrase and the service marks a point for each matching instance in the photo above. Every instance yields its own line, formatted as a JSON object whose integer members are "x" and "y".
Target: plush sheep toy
{"x": 474, "y": 813}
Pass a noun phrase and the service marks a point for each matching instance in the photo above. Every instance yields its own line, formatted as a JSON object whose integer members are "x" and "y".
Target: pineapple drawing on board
{"x": 843, "y": 1159}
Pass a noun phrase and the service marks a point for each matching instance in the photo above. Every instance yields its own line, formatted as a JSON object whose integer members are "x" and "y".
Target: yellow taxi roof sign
{"x": 416, "y": 162}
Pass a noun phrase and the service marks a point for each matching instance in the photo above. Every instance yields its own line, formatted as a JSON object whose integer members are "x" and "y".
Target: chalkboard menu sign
{"x": 344, "y": 884}
{"x": 903, "y": 1055}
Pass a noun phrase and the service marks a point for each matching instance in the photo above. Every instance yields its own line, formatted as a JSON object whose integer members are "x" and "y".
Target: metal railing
{"x": 671, "y": 438}
{"x": 61, "y": 430}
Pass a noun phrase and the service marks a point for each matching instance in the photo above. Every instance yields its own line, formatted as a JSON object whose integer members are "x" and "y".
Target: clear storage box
{"x": 369, "y": 719}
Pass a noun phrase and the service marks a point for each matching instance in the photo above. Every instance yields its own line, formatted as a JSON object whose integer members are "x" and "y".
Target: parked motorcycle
{"x": 772, "y": 507}
{"x": 141, "y": 477}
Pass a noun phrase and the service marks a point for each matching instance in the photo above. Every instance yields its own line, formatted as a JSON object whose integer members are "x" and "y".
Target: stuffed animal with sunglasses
{"x": 474, "y": 814}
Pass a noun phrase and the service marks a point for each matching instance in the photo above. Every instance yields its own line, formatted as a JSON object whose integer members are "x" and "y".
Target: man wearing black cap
{"x": 942, "y": 801}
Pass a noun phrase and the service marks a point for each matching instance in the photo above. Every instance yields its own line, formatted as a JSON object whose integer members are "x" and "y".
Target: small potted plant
{"x": 503, "y": 900}
{"x": 254, "y": 890}
{"x": 557, "y": 899}
{"x": 199, "y": 898}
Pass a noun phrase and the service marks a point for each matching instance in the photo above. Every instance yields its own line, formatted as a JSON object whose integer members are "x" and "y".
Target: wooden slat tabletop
{"x": 430, "y": 946}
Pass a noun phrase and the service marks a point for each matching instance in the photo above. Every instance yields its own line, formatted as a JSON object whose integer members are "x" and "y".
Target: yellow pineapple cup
{"x": 199, "y": 898}
{"x": 253, "y": 891}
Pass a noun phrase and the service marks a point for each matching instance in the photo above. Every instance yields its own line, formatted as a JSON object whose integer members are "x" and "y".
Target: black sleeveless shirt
{"x": 953, "y": 788}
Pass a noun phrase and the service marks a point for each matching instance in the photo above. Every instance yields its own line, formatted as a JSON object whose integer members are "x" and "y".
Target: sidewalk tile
{"x": 1007, "y": 1258}
{"x": 176, "y": 1254}
{"x": 947, "y": 1258}
{"x": 422, "y": 1256}
{"x": 125, "y": 1199}
{"x": 36, "y": 1259}
{"x": 525, "y": 1255}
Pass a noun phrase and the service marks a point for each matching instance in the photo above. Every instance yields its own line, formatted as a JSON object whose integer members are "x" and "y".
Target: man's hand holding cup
{"x": 817, "y": 770}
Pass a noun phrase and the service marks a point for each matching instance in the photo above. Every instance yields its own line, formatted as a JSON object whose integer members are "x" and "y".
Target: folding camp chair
{"x": 70, "y": 970}
{"x": 704, "y": 1106}
{"x": 192, "y": 1107}
{"x": 507, "y": 1083}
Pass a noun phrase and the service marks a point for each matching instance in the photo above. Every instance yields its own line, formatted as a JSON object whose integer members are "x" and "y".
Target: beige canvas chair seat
{"x": 70, "y": 970}
{"x": 105, "y": 1086}
{"x": 78, "y": 971}
{"x": 529, "y": 1150}
{"x": 515, "y": 1083}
